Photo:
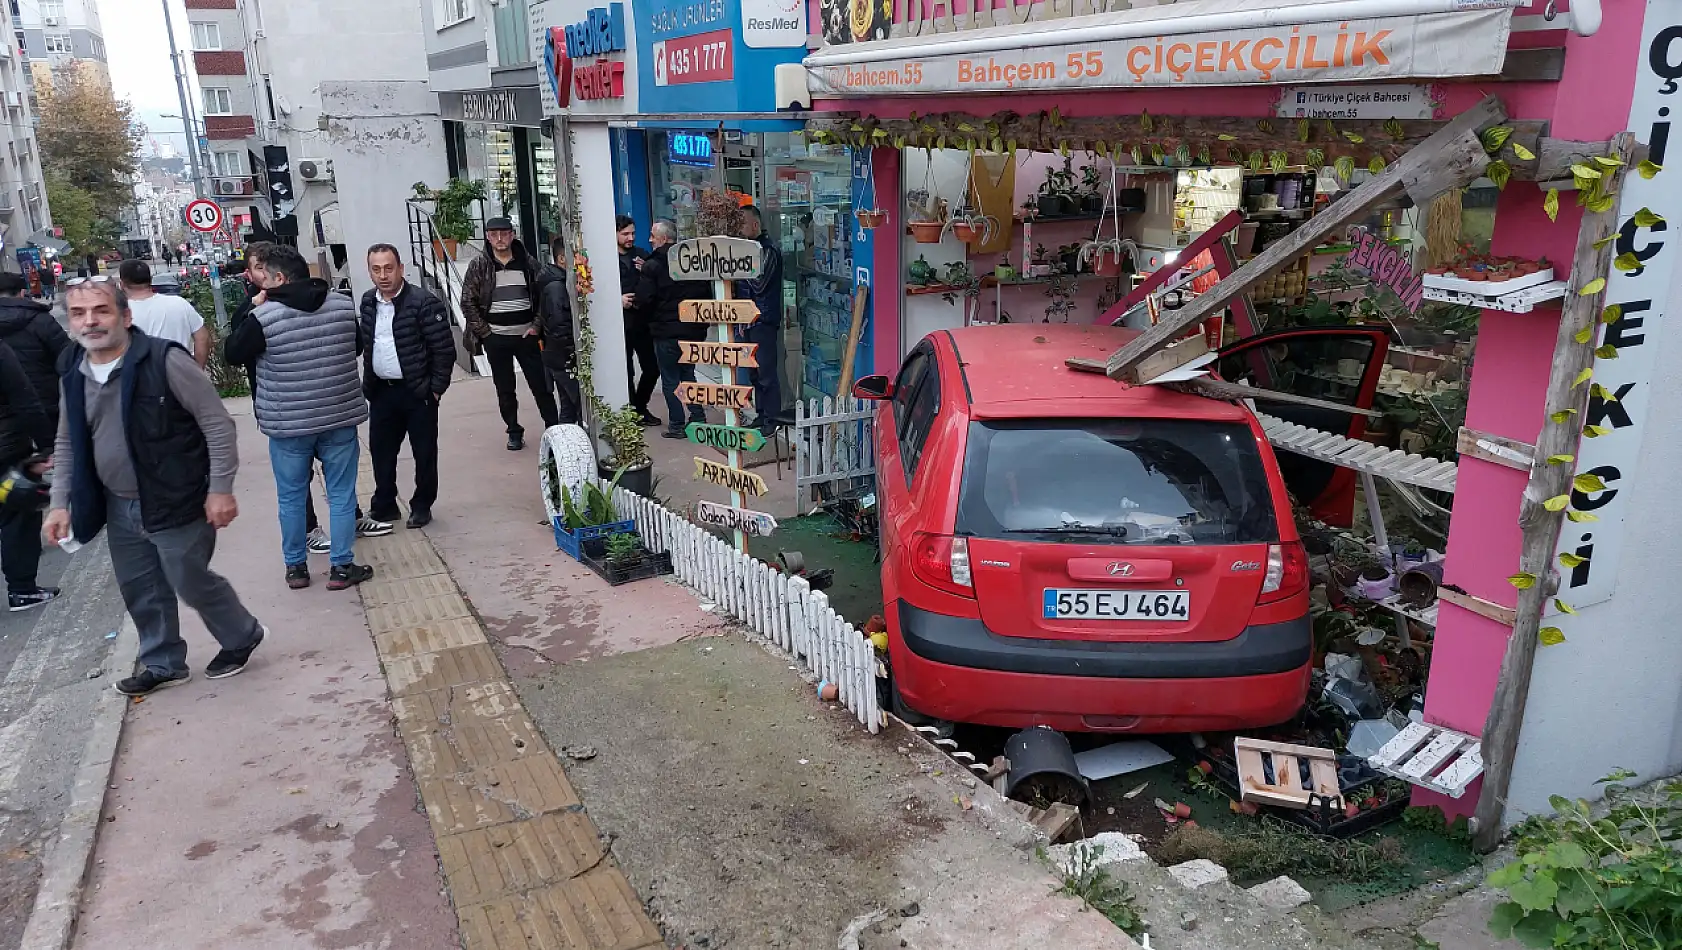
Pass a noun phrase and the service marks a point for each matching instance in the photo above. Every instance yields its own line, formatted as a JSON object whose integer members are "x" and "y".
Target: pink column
{"x": 888, "y": 289}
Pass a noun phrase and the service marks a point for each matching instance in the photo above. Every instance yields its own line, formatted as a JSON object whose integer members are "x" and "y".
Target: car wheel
{"x": 911, "y": 716}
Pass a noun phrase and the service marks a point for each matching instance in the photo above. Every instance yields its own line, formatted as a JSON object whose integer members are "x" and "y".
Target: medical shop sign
{"x": 576, "y": 56}
{"x": 1466, "y": 43}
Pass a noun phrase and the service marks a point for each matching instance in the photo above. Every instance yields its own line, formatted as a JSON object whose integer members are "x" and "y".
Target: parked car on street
{"x": 1061, "y": 549}
{"x": 166, "y": 283}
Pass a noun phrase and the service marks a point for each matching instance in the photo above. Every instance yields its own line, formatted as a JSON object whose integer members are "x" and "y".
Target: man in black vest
{"x": 146, "y": 449}
{"x": 405, "y": 370}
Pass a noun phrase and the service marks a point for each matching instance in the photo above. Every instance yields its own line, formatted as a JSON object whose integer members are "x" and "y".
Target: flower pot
{"x": 967, "y": 233}
{"x": 1004, "y": 272}
{"x": 1091, "y": 204}
{"x": 927, "y": 232}
{"x": 871, "y": 219}
{"x": 639, "y": 479}
{"x": 1376, "y": 584}
{"x": 1070, "y": 261}
{"x": 444, "y": 247}
{"x": 1051, "y": 206}
{"x": 1109, "y": 264}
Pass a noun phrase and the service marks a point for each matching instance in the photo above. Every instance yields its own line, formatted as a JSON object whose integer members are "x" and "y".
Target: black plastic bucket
{"x": 1043, "y": 769}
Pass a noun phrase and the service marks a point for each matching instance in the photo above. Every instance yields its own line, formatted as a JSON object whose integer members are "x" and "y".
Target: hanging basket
{"x": 1109, "y": 263}
{"x": 974, "y": 229}
{"x": 870, "y": 218}
{"x": 927, "y": 232}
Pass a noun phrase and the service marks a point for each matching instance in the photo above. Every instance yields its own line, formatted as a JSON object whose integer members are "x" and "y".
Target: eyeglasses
{"x": 97, "y": 279}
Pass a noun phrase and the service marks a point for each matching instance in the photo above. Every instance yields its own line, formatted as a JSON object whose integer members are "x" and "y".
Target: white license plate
{"x": 1064, "y": 604}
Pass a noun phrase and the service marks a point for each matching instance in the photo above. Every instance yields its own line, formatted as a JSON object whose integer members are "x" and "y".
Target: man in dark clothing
{"x": 554, "y": 308}
{"x": 160, "y": 495}
{"x": 639, "y": 345}
{"x": 29, "y": 328}
{"x": 24, "y": 433}
{"x": 766, "y": 291}
{"x": 498, "y": 298}
{"x": 657, "y": 299}
{"x": 405, "y": 370}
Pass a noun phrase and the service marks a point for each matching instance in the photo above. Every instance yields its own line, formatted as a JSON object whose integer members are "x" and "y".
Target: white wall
{"x": 1611, "y": 696}
{"x": 468, "y": 45}
{"x": 592, "y": 156}
{"x": 949, "y": 178}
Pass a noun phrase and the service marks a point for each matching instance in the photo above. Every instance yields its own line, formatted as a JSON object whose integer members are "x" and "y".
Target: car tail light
{"x": 942, "y": 561}
{"x": 1287, "y": 573}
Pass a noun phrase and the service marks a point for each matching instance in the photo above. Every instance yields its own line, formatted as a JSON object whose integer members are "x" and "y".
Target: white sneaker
{"x": 318, "y": 543}
{"x": 373, "y": 528}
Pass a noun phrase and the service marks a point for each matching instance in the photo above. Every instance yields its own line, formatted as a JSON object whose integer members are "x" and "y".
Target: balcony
{"x": 219, "y": 63}
{"x": 6, "y": 204}
{"x": 229, "y": 128}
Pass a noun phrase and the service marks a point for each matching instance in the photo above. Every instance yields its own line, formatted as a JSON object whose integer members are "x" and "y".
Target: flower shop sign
{"x": 1387, "y": 266}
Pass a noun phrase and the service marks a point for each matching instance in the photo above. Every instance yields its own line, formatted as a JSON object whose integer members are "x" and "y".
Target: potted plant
{"x": 1068, "y": 257}
{"x": 589, "y": 516}
{"x": 1057, "y": 192}
{"x": 1092, "y": 190}
{"x": 452, "y": 213}
{"x": 973, "y": 228}
{"x": 928, "y": 219}
{"x": 1112, "y": 258}
{"x": 960, "y": 279}
{"x": 871, "y": 218}
{"x": 622, "y": 558}
{"x": 630, "y": 463}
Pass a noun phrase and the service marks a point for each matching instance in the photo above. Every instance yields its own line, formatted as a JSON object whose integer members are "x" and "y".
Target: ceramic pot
{"x": 927, "y": 232}
{"x": 871, "y": 219}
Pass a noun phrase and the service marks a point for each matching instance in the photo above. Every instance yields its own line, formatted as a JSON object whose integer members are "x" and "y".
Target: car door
{"x": 895, "y": 467}
{"x": 1335, "y": 364}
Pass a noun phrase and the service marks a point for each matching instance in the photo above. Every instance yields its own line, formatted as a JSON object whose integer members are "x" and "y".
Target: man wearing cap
{"x": 498, "y": 299}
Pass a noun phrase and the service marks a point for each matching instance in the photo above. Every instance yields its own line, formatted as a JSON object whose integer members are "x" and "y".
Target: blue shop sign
{"x": 715, "y": 57}
{"x": 602, "y": 32}
{"x": 690, "y": 148}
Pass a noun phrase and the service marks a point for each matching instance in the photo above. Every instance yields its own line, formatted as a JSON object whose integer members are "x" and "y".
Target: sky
{"x": 138, "y": 50}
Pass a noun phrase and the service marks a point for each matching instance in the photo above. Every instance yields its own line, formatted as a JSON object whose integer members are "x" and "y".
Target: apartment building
{"x": 57, "y": 35}
{"x": 323, "y": 108}
{"x": 24, "y": 215}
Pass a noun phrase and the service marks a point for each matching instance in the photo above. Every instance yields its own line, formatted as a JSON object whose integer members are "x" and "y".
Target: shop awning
{"x": 1194, "y": 43}
{"x": 46, "y": 242}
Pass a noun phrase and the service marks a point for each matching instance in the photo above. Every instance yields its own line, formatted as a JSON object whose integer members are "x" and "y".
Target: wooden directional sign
{"x": 716, "y": 258}
{"x": 756, "y": 523}
{"x": 738, "y": 355}
{"x": 725, "y": 438}
{"x": 732, "y": 478}
{"x": 717, "y": 311}
{"x": 716, "y": 394}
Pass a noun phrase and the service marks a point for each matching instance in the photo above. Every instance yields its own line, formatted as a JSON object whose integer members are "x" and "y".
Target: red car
{"x": 1060, "y": 549}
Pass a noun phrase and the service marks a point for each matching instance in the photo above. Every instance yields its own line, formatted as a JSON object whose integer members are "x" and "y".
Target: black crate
{"x": 1319, "y": 816}
{"x": 647, "y": 565}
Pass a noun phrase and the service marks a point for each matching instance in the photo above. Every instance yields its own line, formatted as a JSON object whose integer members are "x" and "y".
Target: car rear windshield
{"x": 1115, "y": 481}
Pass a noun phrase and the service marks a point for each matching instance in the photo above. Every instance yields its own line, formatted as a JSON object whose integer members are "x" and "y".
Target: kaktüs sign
{"x": 716, "y": 258}
{"x": 1469, "y": 43}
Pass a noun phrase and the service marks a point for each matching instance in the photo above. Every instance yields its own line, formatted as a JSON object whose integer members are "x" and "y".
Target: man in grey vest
{"x": 303, "y": 339}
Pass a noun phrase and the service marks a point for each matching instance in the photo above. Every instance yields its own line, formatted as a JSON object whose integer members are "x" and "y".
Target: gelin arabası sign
{"x": 1644, "y": 296}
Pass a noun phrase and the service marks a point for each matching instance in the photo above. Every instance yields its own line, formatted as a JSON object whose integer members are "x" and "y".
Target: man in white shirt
{"x": 164, "y": 316}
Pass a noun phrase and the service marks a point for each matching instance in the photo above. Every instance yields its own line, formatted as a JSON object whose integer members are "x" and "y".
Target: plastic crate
{"x": 572, "y": 542}
{"x": 650, "y": 565}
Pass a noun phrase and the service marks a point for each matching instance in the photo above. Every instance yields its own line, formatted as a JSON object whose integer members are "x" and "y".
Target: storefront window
{"x": 815, "y": 227}
{"x": 684, "y": 167}
{"x": 548, "y": 190}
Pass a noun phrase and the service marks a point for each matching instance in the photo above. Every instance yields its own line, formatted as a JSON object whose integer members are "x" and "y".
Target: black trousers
{"x": 569, "y": 400}
{"x": 20, "y": 549}
{"x": 639, "y": 346}
{"x": 502, "y": 352}
{"x": 395, "y": 413}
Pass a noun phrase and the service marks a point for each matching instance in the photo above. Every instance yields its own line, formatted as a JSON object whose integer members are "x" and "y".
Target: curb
{"x": 64, "y": 872}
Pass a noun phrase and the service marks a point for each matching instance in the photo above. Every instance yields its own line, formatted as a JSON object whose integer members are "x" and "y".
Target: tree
{"x": 77, "y": 213}
{"x": 90, "y": 139}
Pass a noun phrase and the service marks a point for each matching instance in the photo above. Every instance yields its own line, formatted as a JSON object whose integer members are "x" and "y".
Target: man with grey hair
{"x": 657, "y": 299}
{"x": 161, "y": 495}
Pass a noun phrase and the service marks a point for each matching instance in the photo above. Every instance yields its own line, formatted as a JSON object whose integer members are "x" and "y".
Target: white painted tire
{"x": 574, "y": 453}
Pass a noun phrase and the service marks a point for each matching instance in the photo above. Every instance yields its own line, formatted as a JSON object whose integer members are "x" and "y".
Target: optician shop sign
{"x": 1467, "y": 43}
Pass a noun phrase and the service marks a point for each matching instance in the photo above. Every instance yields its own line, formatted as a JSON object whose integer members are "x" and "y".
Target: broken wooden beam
{"x": 1451, "y": 158}
{"x": 1497, "y": 449}
{"x": 1221, "y": 389}
{"x": 1487, "y": 609}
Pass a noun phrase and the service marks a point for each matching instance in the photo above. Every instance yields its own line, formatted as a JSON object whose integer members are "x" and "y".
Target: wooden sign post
{"x": 722, "y": 260}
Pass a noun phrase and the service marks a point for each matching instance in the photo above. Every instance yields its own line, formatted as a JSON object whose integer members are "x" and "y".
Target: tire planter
{"x": 574, "y": 463}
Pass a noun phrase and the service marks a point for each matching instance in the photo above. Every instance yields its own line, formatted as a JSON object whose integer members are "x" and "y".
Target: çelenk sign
{"x": 1179, "y": 44}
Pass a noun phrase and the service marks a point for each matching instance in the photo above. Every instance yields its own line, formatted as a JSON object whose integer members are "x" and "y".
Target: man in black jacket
{"x": 554, "y": 312}
{"x": 24, "y": 433}
{"x": 405, "y": 371}
{"x": 657, "y": 299}
{"x": 639, "y": 345}
{"x": 29, "y": 328}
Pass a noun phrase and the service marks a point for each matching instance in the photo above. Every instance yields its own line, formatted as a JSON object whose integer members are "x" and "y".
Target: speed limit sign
{"x": 204, "y": 215}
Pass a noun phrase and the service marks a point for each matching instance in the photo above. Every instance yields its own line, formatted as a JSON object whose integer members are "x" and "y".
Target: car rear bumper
{"x": 956, "y": 669}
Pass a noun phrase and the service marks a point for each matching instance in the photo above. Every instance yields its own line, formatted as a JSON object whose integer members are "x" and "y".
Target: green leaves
{"x": 1138, "y": 154}
{"x": 1537, "y": 893}
{"x": 1611, "y": 313}
{"x": 1645, "y": 218}
{"x": 1500, "y": 173}
{"x": 1557, "y": 503}
{"x": 1609, "y": 161}
{"x": 1608, "y": 239}
{"x": 1626, "y": 261}
{"x": 1580, "y": 517}
{"x": 1647, "y": 169}
{"x": 1599, "y": 204}
{"x": 1523, "y": 154}
{"x": 1588, "y": 483}
{"x": 1156, "y": 154}
{"x": 1146, "y": 122}
{"x": 1564, "y": 607}
{"x": 1582, "y": 171}
{"x": 1227, "y": 138}
{"x": 1265, "y": 127}
{"x": 1316, "y": 158}
{"x": 1182, "y": 154}
{"x": 1583, "y": 336}
{"x": 1344, "y": 167}
{"x": 1550, "y": 637}
{"x": 1569, "y": 561}
{"x": 1394, "y": 129}
{"x": 1255, "y": 160}
{"x": 1495, "y": 137}
{"x": 1522, "y": 580}
{"x": 1354, "y": 139}
{"x": 1592, "y": 287}
{"x": 1203, "y": 156}
{"x": 1585, "y": 375}
{"x": 1606, "y": 351}
{"x": 1561, "y": 459}
{"x": 1506, "y": 875}
{"x": 1602, "y": 393}
{"x": 1562, "y": 415}
{"x": 1595, "y": 432}
{"x": 1550, "y": 204}
{"x": 1375, "y": 164}
{"x": 1277, "y": 161}
{"x": 1303, "y": 130}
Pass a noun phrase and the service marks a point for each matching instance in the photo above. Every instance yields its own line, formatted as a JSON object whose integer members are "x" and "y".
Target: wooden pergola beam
{"x": 1448, "y": 159}
{"x": 1540, "y": 526}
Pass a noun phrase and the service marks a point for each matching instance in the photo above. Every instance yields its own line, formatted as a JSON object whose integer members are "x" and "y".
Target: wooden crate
{"x": 1287, "y": 789}
{"x": 1432, "y": 757}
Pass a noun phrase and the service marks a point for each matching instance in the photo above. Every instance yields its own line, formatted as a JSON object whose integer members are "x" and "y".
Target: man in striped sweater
{"x": 499, "y": 301}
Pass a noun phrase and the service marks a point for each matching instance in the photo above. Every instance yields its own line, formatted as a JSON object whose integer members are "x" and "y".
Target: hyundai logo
{"x": 1121, "y": 569}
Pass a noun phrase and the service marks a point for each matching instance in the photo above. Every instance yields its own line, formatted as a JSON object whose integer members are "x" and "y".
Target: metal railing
{"x": 441, "y": 273}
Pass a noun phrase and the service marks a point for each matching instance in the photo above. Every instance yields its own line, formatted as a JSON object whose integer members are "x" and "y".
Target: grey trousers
{"x": 154, "y": 569}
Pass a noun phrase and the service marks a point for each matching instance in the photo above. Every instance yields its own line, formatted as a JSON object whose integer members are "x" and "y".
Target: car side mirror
{"x": 874, "y": 388}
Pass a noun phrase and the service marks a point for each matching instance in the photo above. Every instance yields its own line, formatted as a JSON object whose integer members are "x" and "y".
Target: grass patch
{"x": 1087, "y": 880}
{"x": 1270, "y": 847}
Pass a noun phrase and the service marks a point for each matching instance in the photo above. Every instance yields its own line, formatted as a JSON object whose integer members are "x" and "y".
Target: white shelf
{"x": 1361, "y": 456}
{"x": 1518, "y": 301}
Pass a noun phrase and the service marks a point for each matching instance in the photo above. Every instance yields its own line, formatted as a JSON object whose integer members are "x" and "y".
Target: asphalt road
{"x": 46, "y": 702}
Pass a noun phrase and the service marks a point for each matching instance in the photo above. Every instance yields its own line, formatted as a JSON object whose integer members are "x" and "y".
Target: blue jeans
{"x": 292, "y": 460}
{"x": 672, "y": 372}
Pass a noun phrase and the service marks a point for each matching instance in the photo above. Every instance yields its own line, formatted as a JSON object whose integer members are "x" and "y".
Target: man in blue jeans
{"x": 304, "y": 340}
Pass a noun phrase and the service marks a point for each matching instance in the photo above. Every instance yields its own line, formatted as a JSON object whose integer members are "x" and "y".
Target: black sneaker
{"x": 232, "y": 662}
{"x": 674, "y": 434}
{"x": 346, "y": 576}
{"x": 297, "y": 576}
{"x": 649, "y": 419}
{"x": 30, "y": 599}
{"x": 516, "y": 443}
{"x": 146, "y": 682}
{"x": 419, "y": 518}
{"x": 373, "y": 527}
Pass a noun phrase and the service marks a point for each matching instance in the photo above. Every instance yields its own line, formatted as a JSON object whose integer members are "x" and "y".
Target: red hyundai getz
{"x": 1062, "y": 549}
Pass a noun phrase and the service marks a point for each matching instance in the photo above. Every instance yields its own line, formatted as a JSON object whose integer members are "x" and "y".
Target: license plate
{"x": 1062, "y": 604}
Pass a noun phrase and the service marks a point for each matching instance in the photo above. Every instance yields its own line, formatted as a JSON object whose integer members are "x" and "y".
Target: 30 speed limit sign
{"x": 204, "y": 215}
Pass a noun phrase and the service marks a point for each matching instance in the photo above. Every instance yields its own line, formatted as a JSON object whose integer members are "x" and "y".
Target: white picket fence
{"x": 834, "y": 441}
{"x": 782, "y": 609}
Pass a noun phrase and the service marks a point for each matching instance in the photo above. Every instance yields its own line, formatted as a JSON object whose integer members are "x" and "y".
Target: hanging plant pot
{"x": 927, "y": 232}
{"x": 1110, "y": 264}
{"x": 870, "y": 219}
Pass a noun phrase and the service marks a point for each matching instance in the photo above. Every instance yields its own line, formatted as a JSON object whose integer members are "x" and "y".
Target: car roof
{"x": 1016, "y": 370}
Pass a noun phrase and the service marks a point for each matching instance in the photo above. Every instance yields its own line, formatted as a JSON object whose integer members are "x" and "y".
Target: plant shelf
{"x": 1518, "y": 301}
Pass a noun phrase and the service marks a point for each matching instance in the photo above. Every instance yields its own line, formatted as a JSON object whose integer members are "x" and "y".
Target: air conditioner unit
{"x": 230, "y": 186}
{"x": 315, "y": 169}
{"x": 52, "y": 21}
